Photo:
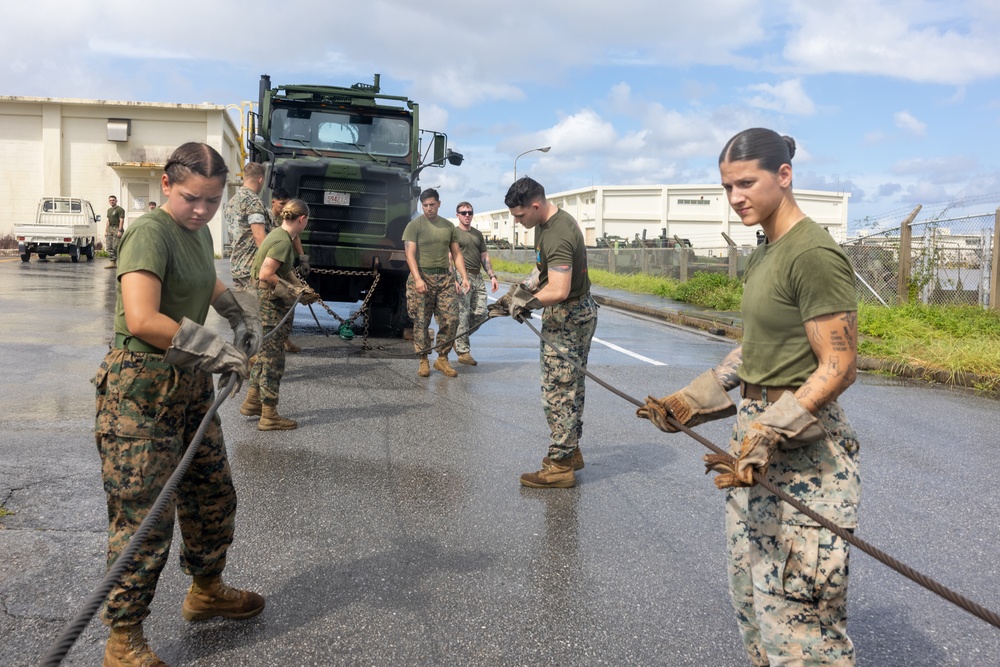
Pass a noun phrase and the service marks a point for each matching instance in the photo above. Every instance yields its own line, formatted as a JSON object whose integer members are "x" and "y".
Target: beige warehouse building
{"x": 96, "y": 148}
{"x": 699, "y": 213}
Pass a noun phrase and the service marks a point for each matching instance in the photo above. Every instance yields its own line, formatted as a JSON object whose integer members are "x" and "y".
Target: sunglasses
{"x": 465, "y": 212}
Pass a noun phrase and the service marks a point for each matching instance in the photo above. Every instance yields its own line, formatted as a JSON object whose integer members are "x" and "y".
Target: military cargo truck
{"x": 354, "y": 155}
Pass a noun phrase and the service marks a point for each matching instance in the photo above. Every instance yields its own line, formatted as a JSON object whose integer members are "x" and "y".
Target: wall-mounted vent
{"x": 119, "y": 129}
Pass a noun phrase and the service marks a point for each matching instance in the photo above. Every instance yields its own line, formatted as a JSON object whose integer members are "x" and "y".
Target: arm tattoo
{"x": 725, "y": 372}
{"x": 561, "y": 269}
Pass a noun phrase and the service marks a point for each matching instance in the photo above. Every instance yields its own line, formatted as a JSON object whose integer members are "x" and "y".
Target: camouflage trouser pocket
{"x": 805, "y": 564}
{"x": 137, "y": 395}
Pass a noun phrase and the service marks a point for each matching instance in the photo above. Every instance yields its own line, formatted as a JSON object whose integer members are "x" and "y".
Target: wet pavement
{"x": 390, "y": 529}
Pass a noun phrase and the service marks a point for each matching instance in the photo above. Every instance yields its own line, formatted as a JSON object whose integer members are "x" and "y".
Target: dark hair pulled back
{"x": 770, "y": 149}
{"x": 195, "y": 158}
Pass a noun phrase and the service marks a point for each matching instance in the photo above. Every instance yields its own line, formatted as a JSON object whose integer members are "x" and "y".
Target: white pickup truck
{"x": 63, "y": 226}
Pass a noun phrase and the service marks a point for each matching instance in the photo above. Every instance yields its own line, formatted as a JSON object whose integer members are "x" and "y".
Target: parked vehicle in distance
{"x": 62, "y": 226}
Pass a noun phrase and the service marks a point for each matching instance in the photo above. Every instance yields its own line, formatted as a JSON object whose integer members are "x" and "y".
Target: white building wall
{"x": 699, "y": 213}
{"x": 61, "y": 147}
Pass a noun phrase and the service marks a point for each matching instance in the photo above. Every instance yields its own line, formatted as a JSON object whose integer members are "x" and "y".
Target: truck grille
{"x": 365, "y": 216}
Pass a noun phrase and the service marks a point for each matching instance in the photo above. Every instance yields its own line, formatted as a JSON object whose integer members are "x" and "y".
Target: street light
{"x": 546, "y": 149}
{"x": 513, "y": 226}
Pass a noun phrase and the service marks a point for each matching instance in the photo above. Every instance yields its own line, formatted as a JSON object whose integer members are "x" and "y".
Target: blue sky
{"x": 896, "y": 102}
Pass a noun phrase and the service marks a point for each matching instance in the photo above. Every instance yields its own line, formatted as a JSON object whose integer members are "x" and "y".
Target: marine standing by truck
{"x": 116, "y": 226}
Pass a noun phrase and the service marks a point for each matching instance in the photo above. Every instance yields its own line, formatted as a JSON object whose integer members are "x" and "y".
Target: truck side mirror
{"x": 440, "y": 143}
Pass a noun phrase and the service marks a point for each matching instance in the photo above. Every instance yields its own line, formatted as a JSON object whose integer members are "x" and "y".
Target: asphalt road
{"x": 390, "y": 528}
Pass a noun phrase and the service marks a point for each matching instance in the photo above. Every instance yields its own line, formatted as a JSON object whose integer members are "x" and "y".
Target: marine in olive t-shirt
{"x": 433, "y": 240}
{"x": 559, "y": 242}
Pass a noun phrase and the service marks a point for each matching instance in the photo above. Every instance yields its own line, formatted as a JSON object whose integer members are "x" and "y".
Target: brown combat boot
{"x": 292, "y": 347}
{"x": 251, "y": 404}
{"x": 553, "y": 475}
{"x": 441, "y": 364}
{"x": 466, "y": 358}
{"x": 208, "y": 597}
{"x": 127, "y": 647}
{"x": 576, "y": 460}
{"x": 270, "y": 420}
{"x": 425, "y": 368}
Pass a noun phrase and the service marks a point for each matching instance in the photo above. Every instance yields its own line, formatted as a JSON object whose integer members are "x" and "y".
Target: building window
{"x": 696, "y": 202}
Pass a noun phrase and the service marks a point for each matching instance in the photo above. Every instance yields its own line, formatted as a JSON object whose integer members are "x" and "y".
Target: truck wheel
{"x": 74, "y": 253}
{"x": 25, "y": 256}
{"x": 89, "y": 251}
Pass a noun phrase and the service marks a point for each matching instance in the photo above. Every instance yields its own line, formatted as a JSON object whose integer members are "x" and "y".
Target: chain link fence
{"x": 948, "y": 261}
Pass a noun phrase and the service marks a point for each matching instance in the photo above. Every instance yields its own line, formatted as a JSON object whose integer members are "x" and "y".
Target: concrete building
{"x": 96, "y": 148}
{"x": 700, "y": 213}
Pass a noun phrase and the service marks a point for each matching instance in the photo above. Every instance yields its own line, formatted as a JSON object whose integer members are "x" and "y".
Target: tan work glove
{"x": 287, "y": 292}
{"x": 522, "y": 302}
{"x": 195, "y": 346}
{"x": 784, "y": 423}
{"x": 501, "y": 307}
{"x": 242, "y": 310}
{"x": 704, "y": 400}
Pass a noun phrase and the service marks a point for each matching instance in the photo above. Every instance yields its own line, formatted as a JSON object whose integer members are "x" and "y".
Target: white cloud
{"x": 787, "y": 97}
{"x": 906, "y": 39}
{"x": 905, "y": 121}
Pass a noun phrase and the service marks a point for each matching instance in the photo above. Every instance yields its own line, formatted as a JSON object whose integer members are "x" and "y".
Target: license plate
{"x": 337, "y": 198}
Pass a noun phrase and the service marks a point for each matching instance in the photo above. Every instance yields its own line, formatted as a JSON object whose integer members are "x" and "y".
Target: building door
{"x": 137, "y": 197}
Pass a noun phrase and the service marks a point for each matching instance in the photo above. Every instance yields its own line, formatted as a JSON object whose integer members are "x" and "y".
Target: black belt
{"x": 434, "y": 272}
{"x": 133, "y": 344}
{"x": 758, "y": 392}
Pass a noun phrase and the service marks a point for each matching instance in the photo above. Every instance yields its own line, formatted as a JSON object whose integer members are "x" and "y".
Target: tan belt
{"x": 757, "y": 392}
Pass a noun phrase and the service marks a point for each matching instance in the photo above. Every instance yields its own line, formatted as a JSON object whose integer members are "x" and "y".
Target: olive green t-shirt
{"x": 473, "y": 246}
{"x": 115, "y": 216}
{"x": 433, "y": 240}
{"x": 802, "y": 275}
{"x": 559, "y": 242}
{"x": 277, "y": 245}
{"x": 183, "y": 260}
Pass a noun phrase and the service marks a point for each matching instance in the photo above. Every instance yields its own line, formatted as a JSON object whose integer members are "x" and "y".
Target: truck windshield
{"x": 341, "y": 132}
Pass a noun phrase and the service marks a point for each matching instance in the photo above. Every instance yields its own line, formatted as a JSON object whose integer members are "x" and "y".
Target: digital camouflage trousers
{"x": 440, "y": 301}
{"x": 570, "y": 328}
{"x": 471, "y": 309}
{"x": 788, "y": 576}
{"x": 147, "y": 413}
{"x": 269, "y": 366}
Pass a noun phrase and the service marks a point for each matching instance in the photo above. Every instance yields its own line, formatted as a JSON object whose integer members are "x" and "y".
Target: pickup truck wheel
{"x": 74, "y": 254}
{"x": 89, "y": 251}
{"x": 25, "y": 257}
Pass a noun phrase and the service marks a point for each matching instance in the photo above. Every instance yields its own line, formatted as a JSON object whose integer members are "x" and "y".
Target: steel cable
{"x": 943, "y": 591}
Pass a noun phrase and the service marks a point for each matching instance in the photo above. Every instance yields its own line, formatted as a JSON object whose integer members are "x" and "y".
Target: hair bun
{"x": 791, "y": 146}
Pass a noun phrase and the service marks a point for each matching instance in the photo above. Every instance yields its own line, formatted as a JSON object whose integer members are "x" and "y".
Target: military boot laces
{"x": 553, "y": 475}
{"x": 127, "y": 647}
{"x": 441, "y": 364}
{"x": 576, "y": 460}
{"x": 209, "y": 597}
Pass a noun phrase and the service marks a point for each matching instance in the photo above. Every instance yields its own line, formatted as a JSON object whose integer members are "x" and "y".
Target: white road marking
{"x": 616, "y": 348}
{"x": 634, "y": 355}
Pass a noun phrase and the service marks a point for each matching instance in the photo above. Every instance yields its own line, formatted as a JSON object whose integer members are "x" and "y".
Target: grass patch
{"x": 709, "y": 290}
{"x": 953, "y": 339}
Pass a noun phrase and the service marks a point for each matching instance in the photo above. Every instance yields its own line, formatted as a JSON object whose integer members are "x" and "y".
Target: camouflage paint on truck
{"x": 353, "y": 154}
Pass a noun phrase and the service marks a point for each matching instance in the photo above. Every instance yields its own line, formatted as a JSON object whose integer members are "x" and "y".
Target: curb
{"x": 949, "y": 378}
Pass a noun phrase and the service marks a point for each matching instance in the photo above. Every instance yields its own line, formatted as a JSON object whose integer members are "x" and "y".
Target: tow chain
{"x": 943, "y": 591}
{"x": 346, "y": 324}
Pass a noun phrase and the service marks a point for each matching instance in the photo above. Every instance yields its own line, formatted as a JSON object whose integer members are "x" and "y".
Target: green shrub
{"x": 711, "y": 290}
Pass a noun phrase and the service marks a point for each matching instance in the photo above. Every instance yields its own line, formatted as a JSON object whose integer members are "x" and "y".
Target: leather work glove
{"x": 303, "y": 268}
{"x": 784, "y": 423}
{"x": 242, "y": 310}
{"x": 195, "y": 346}
{"x": 522, "y": 302}
{"x": 703, "y": 400}
{"x": 287, "y": 291}
{"x": 501, "y": 307}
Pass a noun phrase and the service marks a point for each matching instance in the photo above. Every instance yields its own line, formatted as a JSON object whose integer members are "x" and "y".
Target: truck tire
{"x": 74, "y": 253}
{"x": 25, "y": 256}
{"x": 89, "y": 251}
